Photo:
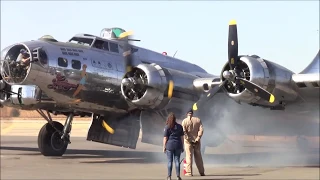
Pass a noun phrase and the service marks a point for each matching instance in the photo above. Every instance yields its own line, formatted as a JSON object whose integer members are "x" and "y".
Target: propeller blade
{"x": 207, "y": 96}
{"x": 125, "y": 34}
{"x": 257, "y": 90}
{"x": 107, "y": 127}
{"x": 128, "y": 62}
{"x": 233, "y": 44}
{"x": 170, "y": 89}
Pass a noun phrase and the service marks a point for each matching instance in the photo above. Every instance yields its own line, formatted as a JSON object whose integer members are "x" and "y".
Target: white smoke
{"x": 227, "y": 122}
{"x": 247, "y": 121}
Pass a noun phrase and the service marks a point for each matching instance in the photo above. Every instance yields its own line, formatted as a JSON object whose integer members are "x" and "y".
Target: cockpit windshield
{"x": 81, "y": 41}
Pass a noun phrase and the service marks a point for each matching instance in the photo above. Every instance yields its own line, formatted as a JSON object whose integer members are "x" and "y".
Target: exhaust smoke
{"x": 236, "y": 122}
{"x": 230, "y": 128}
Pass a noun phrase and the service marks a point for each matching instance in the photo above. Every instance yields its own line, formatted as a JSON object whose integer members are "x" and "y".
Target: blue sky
{"x": 284, "y": 32}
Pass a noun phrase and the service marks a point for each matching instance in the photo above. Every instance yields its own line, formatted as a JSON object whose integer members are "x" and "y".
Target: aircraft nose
{"x": 15, "y": 64}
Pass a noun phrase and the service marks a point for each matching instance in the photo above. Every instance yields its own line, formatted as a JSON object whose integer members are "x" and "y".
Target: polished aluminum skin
{"x": 105, "y": 70}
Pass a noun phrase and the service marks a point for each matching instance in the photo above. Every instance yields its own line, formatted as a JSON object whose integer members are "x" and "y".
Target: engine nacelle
{"x": 148, "y": 87}
{"x": 268, "y": 75}
{"x": 205, "y": 84}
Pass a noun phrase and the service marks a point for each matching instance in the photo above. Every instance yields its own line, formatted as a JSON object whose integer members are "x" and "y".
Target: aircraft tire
{"x": 49, "y": 141}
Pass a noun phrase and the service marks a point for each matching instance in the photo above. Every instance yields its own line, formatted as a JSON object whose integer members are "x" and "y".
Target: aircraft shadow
{"x": 141, "y": 157}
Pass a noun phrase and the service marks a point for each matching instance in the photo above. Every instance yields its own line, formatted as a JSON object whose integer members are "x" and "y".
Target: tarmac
{"x": 20, "y": 159}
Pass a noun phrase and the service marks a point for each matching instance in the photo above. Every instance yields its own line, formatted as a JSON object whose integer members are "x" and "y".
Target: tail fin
{"x": 313, "y": 67}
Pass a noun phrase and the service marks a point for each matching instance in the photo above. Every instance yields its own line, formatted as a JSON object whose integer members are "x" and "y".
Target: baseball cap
{"x": 23, "y": 51}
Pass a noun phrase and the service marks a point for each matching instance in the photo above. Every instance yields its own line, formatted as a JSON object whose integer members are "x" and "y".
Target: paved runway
{"x": 20, "y": 159}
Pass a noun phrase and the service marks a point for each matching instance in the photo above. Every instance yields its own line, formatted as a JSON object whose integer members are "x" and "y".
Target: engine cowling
{"x": 146, "y": 86}
{"x": 268, "y": 75}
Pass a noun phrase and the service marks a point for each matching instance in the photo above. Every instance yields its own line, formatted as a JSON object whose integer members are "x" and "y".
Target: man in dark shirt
{"x": 173, "y": 144}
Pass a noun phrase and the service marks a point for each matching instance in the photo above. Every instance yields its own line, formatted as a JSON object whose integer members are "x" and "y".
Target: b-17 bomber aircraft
{"x": 125, "y": 88}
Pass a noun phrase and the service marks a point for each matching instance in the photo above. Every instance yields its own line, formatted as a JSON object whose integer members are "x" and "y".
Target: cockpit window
{"x": 114, "y": 47}
{"x": 99, "y": 44}
{"x": 62, "y": 62}
{"x": 106, "y": 46}
{"x": 76, "y": 64}
{"x": 82, "y": 41}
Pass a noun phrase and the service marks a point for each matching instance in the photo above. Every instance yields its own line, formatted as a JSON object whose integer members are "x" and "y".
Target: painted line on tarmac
{"x": 6, "y": 130}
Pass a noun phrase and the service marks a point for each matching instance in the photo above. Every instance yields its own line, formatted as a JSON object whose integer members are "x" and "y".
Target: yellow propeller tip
{"x": 233, "y": 22}
{"x": 195, "y": 107}
{"x": 271, "y": 100}
{"x": 128, "y": 68}
{"x": 170, "y": 89}
{"x": 125, "y": 34}
{"x": 107, "y": 127}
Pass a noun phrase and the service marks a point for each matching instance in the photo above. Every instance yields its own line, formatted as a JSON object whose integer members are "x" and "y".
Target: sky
{"x": 285, "y": 32}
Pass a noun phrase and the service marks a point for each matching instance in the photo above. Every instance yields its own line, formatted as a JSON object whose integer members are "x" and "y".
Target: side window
{"x": 76, "y": 64}
{"x": 62, "y": 62}
{"x": 43, "y": 57}
{"x": 114, "y": 47}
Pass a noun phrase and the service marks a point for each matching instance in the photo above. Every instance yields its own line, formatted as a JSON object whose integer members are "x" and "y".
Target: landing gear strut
{"x": 54, "y": 138}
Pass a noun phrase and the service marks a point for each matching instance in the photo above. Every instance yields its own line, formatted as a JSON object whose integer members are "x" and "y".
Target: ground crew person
{"x": 173, "y": 144}
{"x": 193, "y": 131}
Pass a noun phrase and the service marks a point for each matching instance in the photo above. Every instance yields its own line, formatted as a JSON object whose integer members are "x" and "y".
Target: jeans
{"x": 174, "y": 155}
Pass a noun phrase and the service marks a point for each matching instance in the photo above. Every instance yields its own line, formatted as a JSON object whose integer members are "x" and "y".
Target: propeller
{"x": 132, "y": 79}
{"x": 129, "y": 78}
{"x": 128, "y": 64}
{"x": 233, "y": 76}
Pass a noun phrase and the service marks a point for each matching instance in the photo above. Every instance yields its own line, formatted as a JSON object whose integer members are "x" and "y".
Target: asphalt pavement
{"x": 20, "y": 159}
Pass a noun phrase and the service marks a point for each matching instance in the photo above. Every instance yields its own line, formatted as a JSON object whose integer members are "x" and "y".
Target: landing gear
{"x": 54, "y": 138}
{"x": 49, "y": 140}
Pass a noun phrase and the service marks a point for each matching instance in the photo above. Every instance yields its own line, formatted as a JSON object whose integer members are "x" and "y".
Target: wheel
{"x": 49, "y": 140}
